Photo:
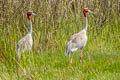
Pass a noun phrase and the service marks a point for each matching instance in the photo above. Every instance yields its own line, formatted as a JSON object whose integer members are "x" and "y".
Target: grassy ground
{"x": 97, "y": 65}
{"x": 101, "y": 58}
{"x": 57, "y": 20}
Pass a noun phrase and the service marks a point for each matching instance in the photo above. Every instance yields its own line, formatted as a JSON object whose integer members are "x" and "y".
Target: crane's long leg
{"x": 18, "y": 54}
{"x": 29, "y": 52}
{"x": 80, "y": 56}
{"x": 71, "y": 58}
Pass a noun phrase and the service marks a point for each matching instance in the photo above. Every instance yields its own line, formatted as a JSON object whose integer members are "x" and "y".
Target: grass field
{"x": 52, "y": 28}
{"x": 99, "y": 63}
{"x": 55, "y": 66}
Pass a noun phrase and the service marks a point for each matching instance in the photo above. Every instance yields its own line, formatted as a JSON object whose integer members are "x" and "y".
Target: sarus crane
{"x": 78, "y": 40}
{"x": 25, "y": 44}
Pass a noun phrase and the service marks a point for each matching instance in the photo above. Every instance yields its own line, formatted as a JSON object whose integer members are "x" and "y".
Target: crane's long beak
{"x": 90, "y": 11}
{"x": 33, "y": 14}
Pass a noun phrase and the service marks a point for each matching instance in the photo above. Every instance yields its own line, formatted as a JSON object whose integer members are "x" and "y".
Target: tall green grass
{"x": 52, "y": 28}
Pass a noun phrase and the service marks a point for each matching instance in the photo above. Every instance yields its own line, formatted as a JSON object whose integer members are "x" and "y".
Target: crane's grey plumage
{"x": 78, "y": 40}
{"x": 25, "y": 44}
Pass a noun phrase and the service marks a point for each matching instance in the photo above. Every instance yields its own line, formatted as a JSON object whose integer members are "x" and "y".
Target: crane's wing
{"x": 73, "y": 36}
{"x": 70, "y": 48}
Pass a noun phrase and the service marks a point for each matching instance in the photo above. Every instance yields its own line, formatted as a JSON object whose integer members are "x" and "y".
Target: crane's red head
{"x": 28, "y": 15}
{"x": 85, "y": 11}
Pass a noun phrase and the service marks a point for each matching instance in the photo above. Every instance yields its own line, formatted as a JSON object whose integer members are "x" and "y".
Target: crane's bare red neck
{"x": 28, "y": 15}
{"x": 29, "y": 18}
{"x": 85, "y": 15}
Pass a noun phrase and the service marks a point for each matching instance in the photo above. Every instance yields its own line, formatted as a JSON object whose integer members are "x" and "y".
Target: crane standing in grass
{"x": 25, "y": 44}
{"x": 78, "y": 40}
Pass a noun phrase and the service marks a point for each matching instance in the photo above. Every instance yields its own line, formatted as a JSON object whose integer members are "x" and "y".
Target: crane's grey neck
{"x": 86, "y": 23}
{"x": 30, "y": 27}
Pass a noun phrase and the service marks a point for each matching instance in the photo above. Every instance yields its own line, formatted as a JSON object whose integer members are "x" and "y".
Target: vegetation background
{"x": 57, "y": 20}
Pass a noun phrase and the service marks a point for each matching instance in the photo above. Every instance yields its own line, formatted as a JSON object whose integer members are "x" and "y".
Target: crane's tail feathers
{"x": 67, "y": 51}
{"x": 17, "y": 52}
